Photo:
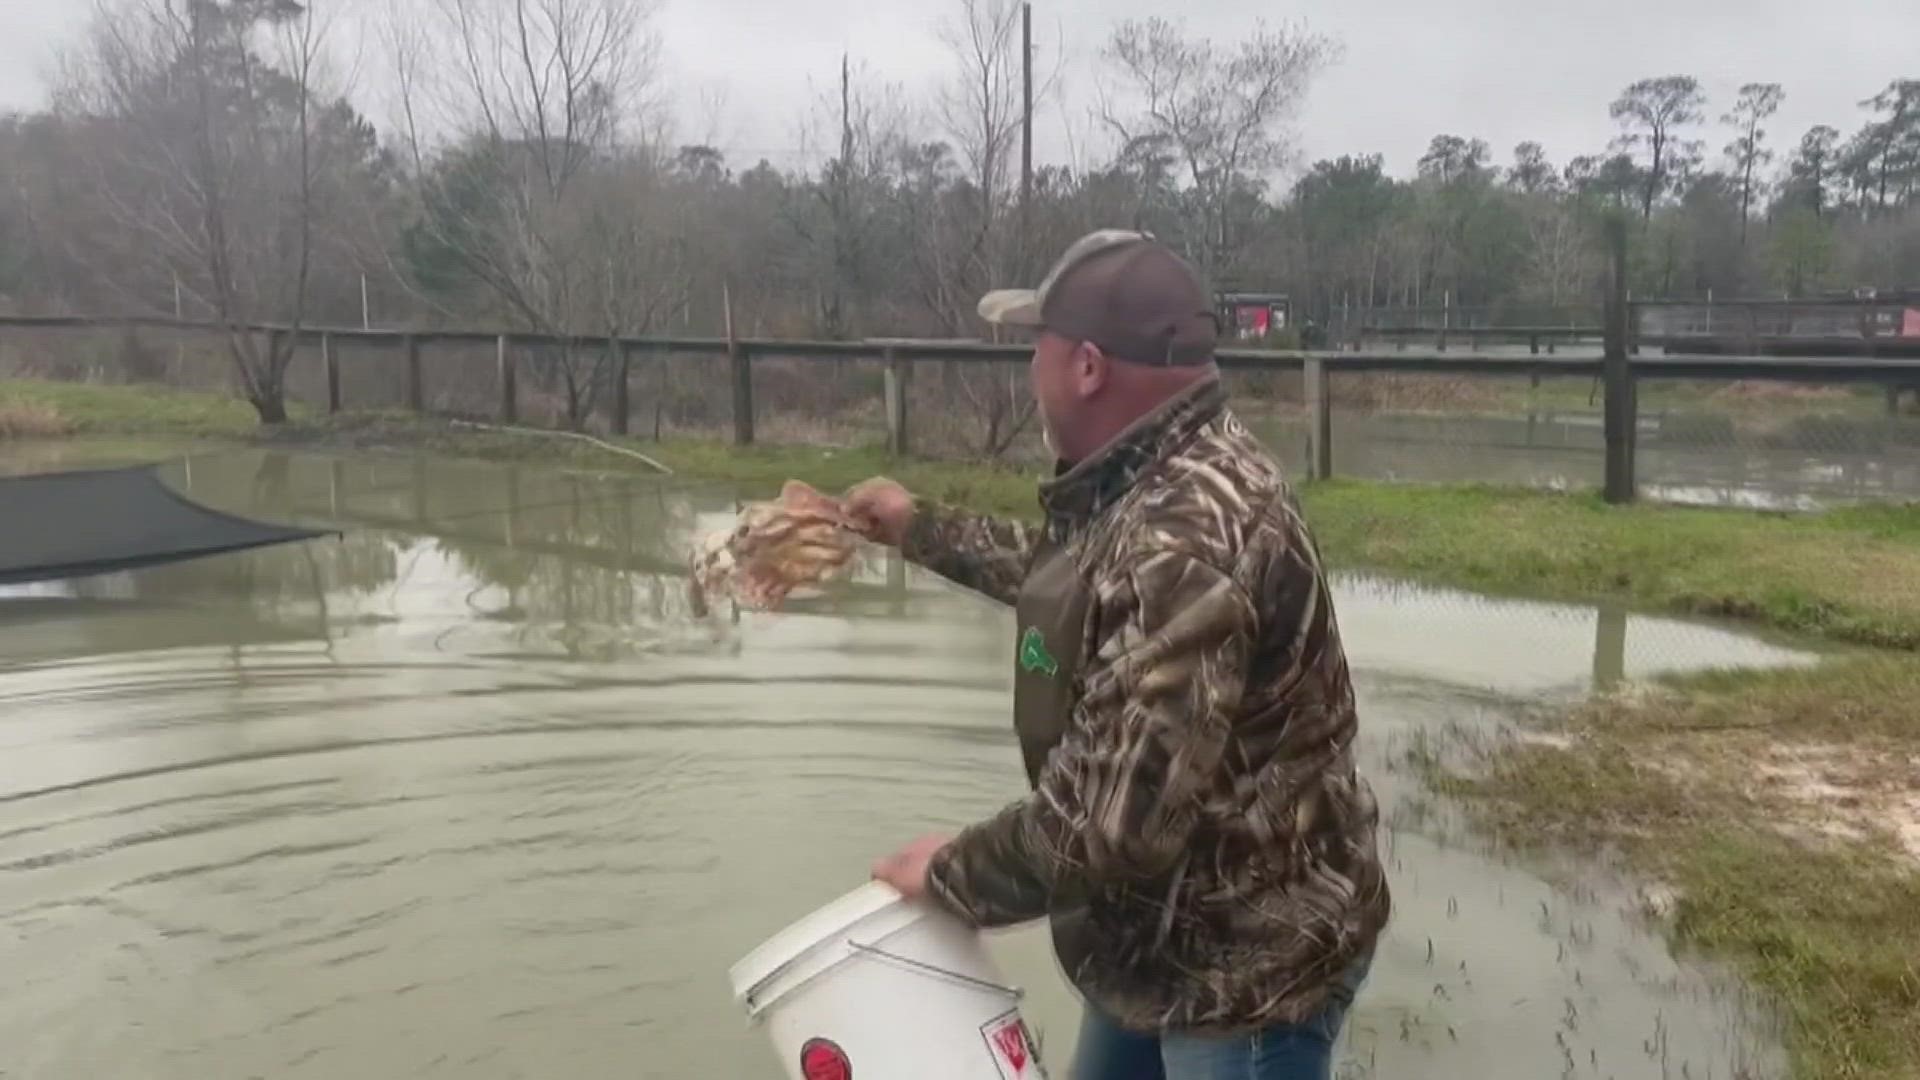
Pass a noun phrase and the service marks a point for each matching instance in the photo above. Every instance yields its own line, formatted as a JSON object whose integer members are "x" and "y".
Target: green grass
{"x": 1828, "y": 922}
{"x": 1851, "y": 575}
{"x": 90, "y": 409}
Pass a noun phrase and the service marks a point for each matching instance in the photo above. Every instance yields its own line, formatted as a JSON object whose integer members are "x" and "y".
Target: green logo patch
{"x": 1034, "y": 657}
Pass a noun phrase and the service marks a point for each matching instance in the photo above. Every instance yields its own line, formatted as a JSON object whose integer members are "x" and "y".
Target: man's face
{"x": 1054, "y": 393}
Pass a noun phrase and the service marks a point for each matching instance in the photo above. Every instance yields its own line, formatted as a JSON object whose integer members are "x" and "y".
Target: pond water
{"x": 1817, "y": 464}
{"x": 470, "y": 792}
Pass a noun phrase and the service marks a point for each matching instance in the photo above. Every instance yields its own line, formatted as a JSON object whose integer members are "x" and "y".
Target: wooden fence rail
{"x": 1619, "y": 366}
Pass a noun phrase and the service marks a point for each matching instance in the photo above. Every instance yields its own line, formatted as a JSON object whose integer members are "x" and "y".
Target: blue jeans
{"x": 1284, "y": 1052}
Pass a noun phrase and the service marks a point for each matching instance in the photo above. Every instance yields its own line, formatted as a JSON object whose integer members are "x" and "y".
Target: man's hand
{"x": 879, "y": 510}
{"x": 906, "y": 869}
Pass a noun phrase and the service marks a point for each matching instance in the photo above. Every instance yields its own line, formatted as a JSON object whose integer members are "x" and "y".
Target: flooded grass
{"x": 757, "y": 470}
{"x": 1742, "y": 399}
{"x": 1850, "y": 574}
{"x": 1777, "y": 812}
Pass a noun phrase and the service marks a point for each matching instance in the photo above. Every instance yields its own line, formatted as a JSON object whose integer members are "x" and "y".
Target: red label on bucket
{"x": 1012, "y": 1048}
{"x": 821, "y": 1059}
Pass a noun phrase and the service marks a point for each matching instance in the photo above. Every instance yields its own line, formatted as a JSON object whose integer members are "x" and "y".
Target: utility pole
{"x": 846, "y": 111}
{"x": 1026, "y": 125}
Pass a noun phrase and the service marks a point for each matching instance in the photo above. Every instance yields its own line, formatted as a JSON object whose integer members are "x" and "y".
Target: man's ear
{"x": 1091, "y": 369}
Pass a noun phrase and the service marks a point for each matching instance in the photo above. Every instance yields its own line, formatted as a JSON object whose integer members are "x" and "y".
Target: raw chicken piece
{"x": 775, "y": 547}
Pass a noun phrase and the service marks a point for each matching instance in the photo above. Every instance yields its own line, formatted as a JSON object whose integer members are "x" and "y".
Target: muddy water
{"x": 1816, "y": 463}
{"x": 470, "y": 793}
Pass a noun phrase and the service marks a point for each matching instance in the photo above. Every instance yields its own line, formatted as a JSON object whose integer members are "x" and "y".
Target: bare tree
{"x": 981, "y": 109}
{"x": 968, "y": 238}
{"x": 1225, "y": 114}
{"x": 207, "y": 145}
{"x": 550, "y": 198}
{"x": 1757, "y": 102}
{"x": 860, "y": 129}
{"x": 1652, "y": 111}
{"x": 1561, "y": 262}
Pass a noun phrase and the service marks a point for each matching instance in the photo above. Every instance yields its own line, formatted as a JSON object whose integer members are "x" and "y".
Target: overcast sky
{"x": 1502, "y": 70}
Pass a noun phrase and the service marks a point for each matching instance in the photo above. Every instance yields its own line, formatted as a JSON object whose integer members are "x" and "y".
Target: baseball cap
{"x": 1123, "y": 291}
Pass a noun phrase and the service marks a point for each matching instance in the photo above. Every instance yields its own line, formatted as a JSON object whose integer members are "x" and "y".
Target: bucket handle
{"x": 1013, "y": 992}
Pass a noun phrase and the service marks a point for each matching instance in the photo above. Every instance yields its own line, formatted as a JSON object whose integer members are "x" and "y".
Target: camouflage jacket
{"x": 1196, "y": 830}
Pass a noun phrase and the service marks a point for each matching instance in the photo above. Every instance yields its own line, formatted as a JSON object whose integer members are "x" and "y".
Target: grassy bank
{"x": 45, "y": 409}
{"x": 1778, "y": 813}
{"x": 1848, "y": 574}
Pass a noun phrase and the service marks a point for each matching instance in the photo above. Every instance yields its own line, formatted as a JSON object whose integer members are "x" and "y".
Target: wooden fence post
{"x": 1610, "y": 646}
{"x": 617, "y": 353}
{"x": 416, "y": 391}
{"x": 896, "y": 393}
{"x": 660, "y": 373}
{"x": 1319, "y": 420}
{"x": 742, "y": 393}
{"x": 507, "y": 362}
{"x": 742, "y": 370}
{"x": 421, "y": 508}
{"x": 273, "y": 347}
{"x": 331, "y": 364}
{"x": 1621, "y": 414}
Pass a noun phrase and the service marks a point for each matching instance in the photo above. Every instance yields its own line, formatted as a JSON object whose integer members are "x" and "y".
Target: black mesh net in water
{"x": 76, "y": 524}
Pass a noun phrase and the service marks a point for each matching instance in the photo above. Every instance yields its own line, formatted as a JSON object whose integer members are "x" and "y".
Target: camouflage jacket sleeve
{"x": 983, "y": 553}
{"x": 1116, "y": 802}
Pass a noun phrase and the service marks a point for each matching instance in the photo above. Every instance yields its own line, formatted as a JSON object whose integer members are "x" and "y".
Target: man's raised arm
{"x": 978, "y": 551}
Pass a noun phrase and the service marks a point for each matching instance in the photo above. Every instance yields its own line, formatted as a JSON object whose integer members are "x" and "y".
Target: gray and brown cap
{"x": 1124, "y": 292}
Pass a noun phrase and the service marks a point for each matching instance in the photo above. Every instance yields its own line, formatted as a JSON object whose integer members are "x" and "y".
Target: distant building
{"x": 1253, "y": 315}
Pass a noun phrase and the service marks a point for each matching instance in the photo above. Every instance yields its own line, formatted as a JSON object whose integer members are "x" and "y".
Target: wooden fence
{"x": 1620, "y": 366}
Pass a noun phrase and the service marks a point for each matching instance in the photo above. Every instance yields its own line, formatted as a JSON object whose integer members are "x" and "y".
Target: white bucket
{"x": 872, "y": 987}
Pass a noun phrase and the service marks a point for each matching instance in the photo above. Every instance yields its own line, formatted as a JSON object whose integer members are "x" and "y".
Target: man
{"x": 1196, "y": 831}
